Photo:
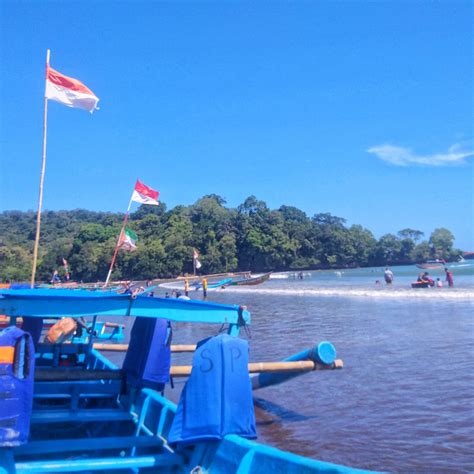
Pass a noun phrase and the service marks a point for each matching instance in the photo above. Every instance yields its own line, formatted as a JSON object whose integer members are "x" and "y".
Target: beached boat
{"x": 69, "y": 409}
{"x": 251, "y": 281}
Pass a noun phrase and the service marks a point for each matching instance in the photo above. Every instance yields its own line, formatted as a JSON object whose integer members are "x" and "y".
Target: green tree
{"x": 387, "y": 250}
{"x": 441, "y": 241}
{"x": 413, "y": 234}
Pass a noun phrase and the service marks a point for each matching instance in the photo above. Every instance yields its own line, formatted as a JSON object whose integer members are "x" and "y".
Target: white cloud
{"x": 400, "y": 156}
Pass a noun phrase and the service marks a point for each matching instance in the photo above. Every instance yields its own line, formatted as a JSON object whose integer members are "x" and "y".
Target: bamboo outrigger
{"x": 83, "y": 420}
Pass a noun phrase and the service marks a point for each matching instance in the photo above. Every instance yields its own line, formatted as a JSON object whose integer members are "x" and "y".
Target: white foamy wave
{"x": 419, "y": 294}
{"x": 279, "y": 276}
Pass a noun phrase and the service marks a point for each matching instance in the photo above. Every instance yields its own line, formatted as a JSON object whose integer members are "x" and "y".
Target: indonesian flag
{"x": 144, "y": 194}
{"x": 197, "y": 263}
{"x": 128, "y": 240}
{"x": 69, "y": 91}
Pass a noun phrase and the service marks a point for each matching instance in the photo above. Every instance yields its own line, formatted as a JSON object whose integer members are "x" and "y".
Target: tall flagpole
{"x": 118, "y": 242}
{"x": 43, "y": 167}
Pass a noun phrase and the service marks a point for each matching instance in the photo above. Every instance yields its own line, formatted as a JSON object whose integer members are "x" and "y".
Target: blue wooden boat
{"x": 251, "y": 281}
{"x": 81, "y": 417}
{"x": 216, "y": 284}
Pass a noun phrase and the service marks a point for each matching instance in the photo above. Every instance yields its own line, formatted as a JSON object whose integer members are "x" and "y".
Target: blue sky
{"x": 361, "y": 109}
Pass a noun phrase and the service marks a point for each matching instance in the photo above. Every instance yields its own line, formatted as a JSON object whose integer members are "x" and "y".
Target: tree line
{"x": 249, "y": 237}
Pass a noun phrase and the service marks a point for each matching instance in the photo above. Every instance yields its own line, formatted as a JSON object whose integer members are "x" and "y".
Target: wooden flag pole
{"x": 43, "y": 167}
{"x": 118, "y": 243}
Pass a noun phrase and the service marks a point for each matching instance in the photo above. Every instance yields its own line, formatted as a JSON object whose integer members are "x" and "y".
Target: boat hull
{"x": 251, "y": 281}
{"x": 101, "y": 430}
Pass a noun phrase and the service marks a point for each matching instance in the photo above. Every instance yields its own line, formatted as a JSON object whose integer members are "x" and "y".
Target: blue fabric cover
{"x": 217, "y": 398}
{"x": 16, "y": 387}
{"x": 33, "y": 326}
{"x": 20, "y": 286}
{"x": 148, "y": 359}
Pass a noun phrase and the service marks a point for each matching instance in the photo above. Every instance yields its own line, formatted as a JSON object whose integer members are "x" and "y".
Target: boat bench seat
{"x": 77, "y": 389}
{"x": 100, "y": 464}
{"x": 87, "y": 444}
{"x": 81, "y": 415}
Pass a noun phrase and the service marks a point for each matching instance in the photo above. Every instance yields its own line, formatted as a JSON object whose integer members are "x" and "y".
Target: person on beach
{"x": 204, "y": 287}
{"x": 186, "y": 286}
{"x": 425, "y": 278}
{"x": 388, "y": 275}
{"x": 55, "y": 279}
{"x": 449, "y": 277}
{"x": 439, "y": 283}
{"x": 148, "y": 284}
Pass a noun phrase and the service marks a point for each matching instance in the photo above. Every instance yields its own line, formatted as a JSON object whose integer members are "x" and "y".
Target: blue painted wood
{"x": 87, "y": 444}
{"x": 80, "y": 416}
{"x": 99, "y": 464}
{"x": 324, "y": 351}
{"x": 76, "y": 303}
{"x": 83, "y": 389}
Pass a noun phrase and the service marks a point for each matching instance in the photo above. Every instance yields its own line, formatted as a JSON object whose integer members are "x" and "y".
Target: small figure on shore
{"x": 377, "y": 282}
{"x": 204, "y": 287}
{"x": 167, "y": 295}
{"x": 181, "y": 296}
{"x": 186, "y": 286}
{"x": 439, "y": 283}
{"x": 388, "y": 275}
{"x": 67, "y": 274}
{"x": 449, "y": 277}
{"x": 300, "y": 275}
{"x": 55, "y": 279}
{"x": 148, "y": 284}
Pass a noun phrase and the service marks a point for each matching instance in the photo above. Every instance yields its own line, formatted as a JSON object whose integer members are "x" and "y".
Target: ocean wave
{"x": 427, "y": 293}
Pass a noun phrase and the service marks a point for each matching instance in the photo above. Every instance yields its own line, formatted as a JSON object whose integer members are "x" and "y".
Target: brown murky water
{"x": 404, "y": 401}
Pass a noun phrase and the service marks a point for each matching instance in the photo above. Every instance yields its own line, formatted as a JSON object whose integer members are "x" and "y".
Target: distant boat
{"x": 434, "y": 263}
{"x": 251, "y": 281}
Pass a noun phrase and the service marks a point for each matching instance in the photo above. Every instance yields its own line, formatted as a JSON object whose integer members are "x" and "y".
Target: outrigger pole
{"x": 43, "y": 167}
{"x": 112, "y": 263}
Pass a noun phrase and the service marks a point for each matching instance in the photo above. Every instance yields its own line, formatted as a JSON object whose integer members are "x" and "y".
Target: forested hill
{"x": 250, "y": 237}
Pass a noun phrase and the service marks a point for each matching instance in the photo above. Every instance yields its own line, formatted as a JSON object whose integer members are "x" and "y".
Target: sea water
{"x": 404, "y": 401}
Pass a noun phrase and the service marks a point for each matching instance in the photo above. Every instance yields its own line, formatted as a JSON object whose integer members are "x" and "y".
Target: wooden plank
{"x": 87, "y": 444}
{"x": 83, "y": 416}
{"x": 269, "y": 367}
{"x": 124, "y": 347}
{"x": 61, "y": 374}
{"x": 99, "y": 464}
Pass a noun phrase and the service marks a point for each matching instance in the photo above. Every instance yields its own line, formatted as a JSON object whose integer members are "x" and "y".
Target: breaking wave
{"x": 432, "y": 294}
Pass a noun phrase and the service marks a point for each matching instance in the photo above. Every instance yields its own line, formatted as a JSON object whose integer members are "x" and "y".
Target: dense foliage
{"x": 251, "y": 237}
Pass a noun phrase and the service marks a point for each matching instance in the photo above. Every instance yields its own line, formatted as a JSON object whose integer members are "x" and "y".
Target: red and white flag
{"x": 144, "y": 194}
{"x": 69, "y": 91}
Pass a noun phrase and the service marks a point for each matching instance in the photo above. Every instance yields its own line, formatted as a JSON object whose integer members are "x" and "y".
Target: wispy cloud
{"x": 400, "y": 156}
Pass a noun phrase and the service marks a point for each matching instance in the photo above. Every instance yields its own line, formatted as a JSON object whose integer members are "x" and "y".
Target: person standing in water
{"x": 388, "y": 275}
{"x": 449, "y": 277}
